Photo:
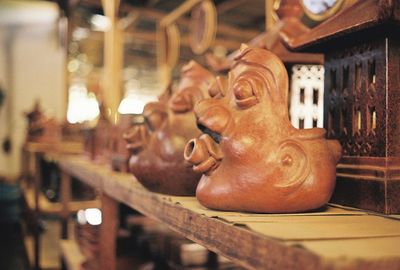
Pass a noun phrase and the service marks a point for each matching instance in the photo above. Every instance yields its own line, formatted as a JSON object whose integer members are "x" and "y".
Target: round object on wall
{"x": 320, "y": 10}
{"x": 172, "y": 44}
{"x": 203, "y": 26}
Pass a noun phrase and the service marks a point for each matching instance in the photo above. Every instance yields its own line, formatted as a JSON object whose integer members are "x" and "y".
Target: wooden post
{"x": 108, "y": 233}
{"x": 36, "y": 231}
{"x": 113, "y": 47}
{"x": 24, "y": 165}
{"x": 65, "y": 199}
{"x": 164, "y": 70}
{"x": 270, "y": 16}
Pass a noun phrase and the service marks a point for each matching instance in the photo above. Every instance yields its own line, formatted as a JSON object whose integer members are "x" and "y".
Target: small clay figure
{"x": 157, "y": 153}
{"x": 251, "y": 157}
{"x": 41, "y": 128}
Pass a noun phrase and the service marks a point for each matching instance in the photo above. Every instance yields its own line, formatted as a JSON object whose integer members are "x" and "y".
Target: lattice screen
{"x": 307, "y": 96}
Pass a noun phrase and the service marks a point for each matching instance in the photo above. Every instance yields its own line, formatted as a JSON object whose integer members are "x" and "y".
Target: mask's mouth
{"x": 214, "y": 135}
{"x": 204, "y": 154}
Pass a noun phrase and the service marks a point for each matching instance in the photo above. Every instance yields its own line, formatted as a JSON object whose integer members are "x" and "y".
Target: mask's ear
{"x": 294, "y": 165}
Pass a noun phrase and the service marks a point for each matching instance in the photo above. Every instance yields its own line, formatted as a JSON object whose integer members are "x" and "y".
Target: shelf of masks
{"x": 331, "y": 238}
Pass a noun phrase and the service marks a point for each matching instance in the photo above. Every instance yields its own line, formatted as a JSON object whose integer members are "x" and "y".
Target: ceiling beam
{"x": 228, "y": 5}
{"x": 153, "y": 14}
{"x": 185, "y": 40}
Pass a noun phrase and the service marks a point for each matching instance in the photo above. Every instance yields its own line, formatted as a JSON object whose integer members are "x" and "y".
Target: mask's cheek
{"x": 168, "y": 146}
{"x": 243, "y": 148}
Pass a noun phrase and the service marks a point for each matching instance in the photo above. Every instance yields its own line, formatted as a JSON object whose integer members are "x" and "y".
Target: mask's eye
{"x": 217, "y": 88}
{"x": 244, "y": 91}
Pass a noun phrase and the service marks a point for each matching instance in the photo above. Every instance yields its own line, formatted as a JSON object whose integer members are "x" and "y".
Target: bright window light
{"x": 100, "y": 23}
{"x": 80, "y": 216}
{"x": 135, "y": 98}
{"x": 93, "y": 216}
{"x": 134, "y": 104}
{"x": 82, "y": 106}
{"x": 80, "y": 33}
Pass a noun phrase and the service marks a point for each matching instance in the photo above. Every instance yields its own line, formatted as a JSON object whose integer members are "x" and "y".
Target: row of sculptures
{"x": 227, "y": 140}
{"x": 230, "y": 141}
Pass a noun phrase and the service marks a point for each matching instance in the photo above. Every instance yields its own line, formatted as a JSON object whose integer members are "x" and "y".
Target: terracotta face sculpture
{"x": 42, "y": 129}
{"x": 251, "y": 157}
{"x": 157, "y": 159}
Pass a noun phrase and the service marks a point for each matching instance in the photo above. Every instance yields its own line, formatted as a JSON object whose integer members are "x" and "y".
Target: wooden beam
{"x": 228, "y": 5}
{"x": 271, "y": 17}
{"x": 163, "y": 70}
{"x": 185, "y": 40}
{"x": 178, "y": 12}
{"x": 222, "y": 29}
{"x": 128, "y": 20}
{"x": 153, "y": 14}
{"x": 269, "y": 14}
{"x": 112, "y": 60}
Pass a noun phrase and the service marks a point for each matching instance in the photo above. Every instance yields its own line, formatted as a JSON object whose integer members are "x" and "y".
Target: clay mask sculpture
{"x": 157, "y": 159}
{"x": 251, "y": 157}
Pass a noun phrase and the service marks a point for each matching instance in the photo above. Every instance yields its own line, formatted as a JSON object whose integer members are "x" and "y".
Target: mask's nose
{"x": 203, "y": 153}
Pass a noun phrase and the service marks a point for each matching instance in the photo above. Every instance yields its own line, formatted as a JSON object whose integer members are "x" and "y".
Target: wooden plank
{"x": 61, "y": 147}
{"x": 258, "y": 249}
{"x": 71, "y": 254}
{"x": 65, "y": 195}
{"x": 36, "y": 192}
{"x": 362, "y": 248}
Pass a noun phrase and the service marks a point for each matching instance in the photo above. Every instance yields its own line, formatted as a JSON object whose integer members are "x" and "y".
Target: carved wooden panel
{"x": 355, "y": 99}
{"x": 362, "y": 110}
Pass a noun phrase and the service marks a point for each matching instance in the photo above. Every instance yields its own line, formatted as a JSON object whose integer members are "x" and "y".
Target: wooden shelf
{"x": 72, "y": 255}
{"x": 335, "y": 238}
